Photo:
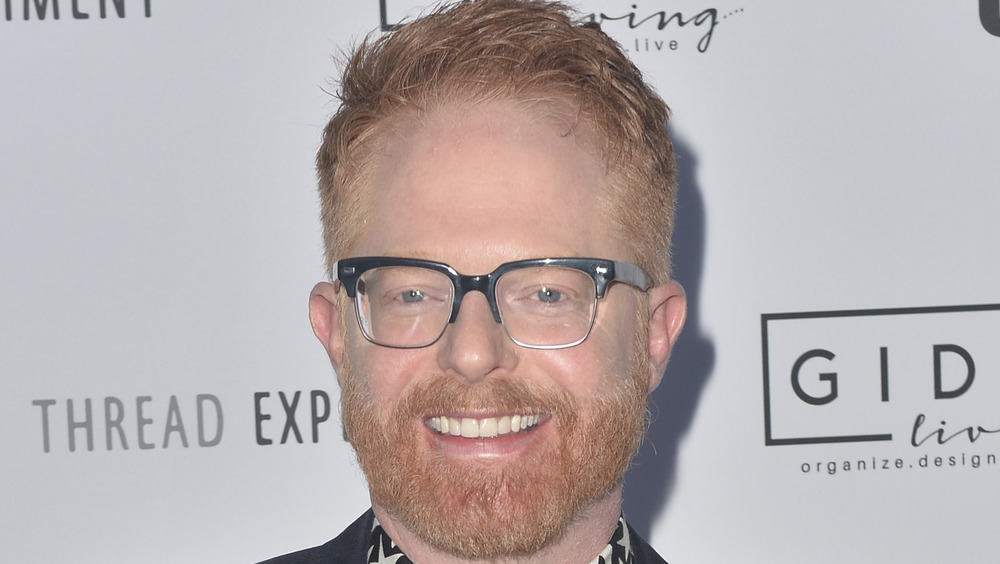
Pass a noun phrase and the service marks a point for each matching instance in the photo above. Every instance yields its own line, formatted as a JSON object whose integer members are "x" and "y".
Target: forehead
{"x": 487, "y": 183}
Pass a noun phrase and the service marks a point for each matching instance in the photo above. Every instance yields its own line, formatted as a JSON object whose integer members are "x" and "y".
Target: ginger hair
{"x": 534, "y": 52}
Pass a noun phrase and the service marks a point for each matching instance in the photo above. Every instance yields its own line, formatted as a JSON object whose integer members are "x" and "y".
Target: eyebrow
{"x": 411, "y": 254}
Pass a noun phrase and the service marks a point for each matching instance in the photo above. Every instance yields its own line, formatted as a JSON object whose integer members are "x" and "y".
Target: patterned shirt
{"x": 383, "y": 550}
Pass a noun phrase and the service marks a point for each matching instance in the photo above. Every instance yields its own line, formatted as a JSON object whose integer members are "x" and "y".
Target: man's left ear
{"x": 667, "y": 312}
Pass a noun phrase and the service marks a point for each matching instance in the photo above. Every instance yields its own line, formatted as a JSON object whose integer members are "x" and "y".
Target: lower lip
{"x": 496, "y": 447}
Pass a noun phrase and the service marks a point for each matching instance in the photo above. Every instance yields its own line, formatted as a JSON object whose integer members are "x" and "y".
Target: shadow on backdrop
{"x": 649, "y": 483}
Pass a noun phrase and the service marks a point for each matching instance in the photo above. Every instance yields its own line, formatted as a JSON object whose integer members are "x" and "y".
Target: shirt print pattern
{"x": 383, "y": 550}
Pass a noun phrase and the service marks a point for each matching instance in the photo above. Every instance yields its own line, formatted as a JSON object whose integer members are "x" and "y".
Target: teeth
{"x": 470, "y": 428}
{"x": 485, "y": 428}
{"x": 488, "y": 427}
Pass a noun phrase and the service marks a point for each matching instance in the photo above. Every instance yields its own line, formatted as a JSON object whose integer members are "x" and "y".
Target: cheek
{"x": 611, "y": 353}
{"x": 386, "y": 373}
{"x": 592, "y": 369}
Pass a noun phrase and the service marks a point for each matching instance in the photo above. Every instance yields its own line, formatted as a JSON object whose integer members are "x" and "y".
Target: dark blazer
{"x": 351, "y": 547}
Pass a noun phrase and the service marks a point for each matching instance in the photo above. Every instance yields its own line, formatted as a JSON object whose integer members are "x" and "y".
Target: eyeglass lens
{"x": 540, "y": 306}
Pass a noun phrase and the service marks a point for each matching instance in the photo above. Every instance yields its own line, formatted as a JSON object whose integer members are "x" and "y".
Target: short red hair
{"x": 530, "y": 51}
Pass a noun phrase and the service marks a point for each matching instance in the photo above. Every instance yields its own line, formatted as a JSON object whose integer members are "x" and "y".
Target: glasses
{"x": 547, "y": 303}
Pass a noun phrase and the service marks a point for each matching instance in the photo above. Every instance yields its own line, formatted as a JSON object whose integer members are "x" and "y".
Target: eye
{"x": 415, "y": 297}
{"x": 548, "y": 295}
{"x": 412, "y": 296}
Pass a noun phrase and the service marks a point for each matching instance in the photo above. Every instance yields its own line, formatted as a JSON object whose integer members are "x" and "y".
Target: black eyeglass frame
{"x": 603, "y": 272}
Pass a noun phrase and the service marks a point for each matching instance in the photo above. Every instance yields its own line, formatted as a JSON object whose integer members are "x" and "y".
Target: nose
{"x": 475, "y": 345}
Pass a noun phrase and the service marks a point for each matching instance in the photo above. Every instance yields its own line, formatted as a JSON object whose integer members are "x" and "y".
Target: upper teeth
{"x": 481, "y": 428}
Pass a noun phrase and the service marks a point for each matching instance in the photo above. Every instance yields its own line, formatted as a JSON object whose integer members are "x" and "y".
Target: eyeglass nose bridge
{"x": 483, "y": 283}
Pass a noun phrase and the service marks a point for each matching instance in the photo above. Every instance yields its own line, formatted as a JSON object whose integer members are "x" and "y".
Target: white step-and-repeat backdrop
{"x": 834, "y": 397}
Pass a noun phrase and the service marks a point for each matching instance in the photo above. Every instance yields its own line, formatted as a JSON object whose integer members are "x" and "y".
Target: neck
{"x": 583, "y": 539}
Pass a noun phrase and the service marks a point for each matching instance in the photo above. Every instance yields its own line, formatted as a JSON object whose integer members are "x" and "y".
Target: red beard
{"x": 492, "y": 509}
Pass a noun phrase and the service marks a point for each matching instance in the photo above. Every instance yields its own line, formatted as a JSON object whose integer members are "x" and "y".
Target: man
{"x": 494, "y": 415}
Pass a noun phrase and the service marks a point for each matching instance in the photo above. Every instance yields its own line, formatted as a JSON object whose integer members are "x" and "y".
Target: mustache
{"x": 440, "y": 394}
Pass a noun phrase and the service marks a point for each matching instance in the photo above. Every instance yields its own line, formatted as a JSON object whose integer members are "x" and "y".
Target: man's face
{"x": 474, "y": 189}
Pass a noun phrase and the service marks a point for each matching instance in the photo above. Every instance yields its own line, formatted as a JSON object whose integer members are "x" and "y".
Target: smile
{"x": 484, "y": 428}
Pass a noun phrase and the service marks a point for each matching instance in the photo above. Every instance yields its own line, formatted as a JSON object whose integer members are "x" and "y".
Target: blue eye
{"x": 412, "y": 296}
{"x": 548, "y": 295}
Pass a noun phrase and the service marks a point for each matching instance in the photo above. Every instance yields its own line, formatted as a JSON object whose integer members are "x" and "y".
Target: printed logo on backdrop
{"x": 640, "y": 27}
{"x": 146, "y": 422}
{"x": 989, "y": 16}
{"x": 918, "y": 385}
{"x": 52, "y": 10}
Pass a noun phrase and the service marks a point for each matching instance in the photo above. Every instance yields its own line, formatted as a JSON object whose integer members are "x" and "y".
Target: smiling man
{"x": 497, "y": 199}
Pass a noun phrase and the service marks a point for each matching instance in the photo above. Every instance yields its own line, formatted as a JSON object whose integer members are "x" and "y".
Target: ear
{"x": 324, "y": 315}
{"x": 668, "y": 310}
